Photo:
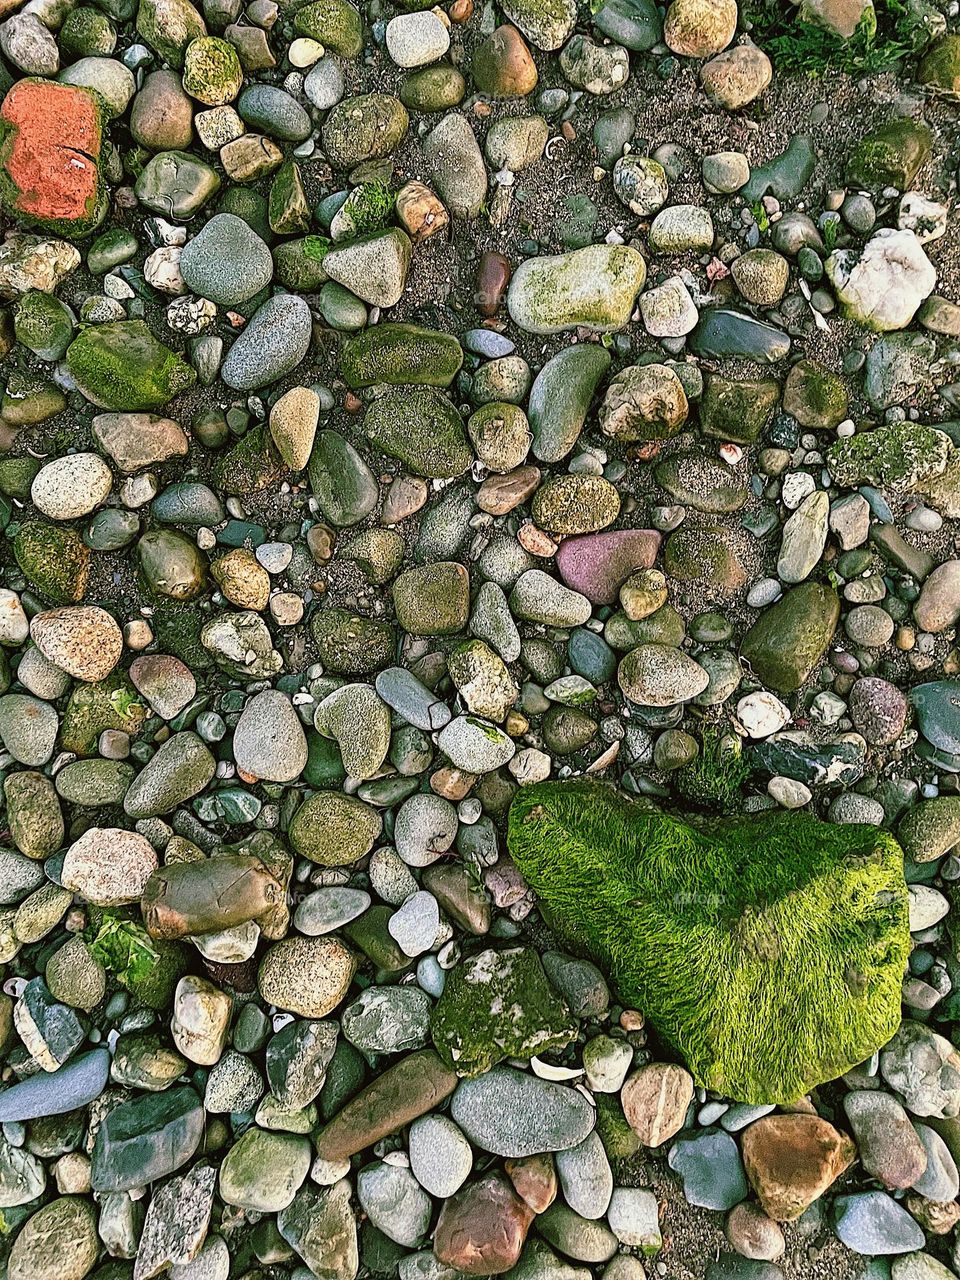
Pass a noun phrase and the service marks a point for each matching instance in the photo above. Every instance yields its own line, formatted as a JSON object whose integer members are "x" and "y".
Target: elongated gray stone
{"x": 56, "y": 1092}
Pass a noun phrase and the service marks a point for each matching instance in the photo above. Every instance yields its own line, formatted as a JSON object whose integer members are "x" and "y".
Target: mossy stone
{"x": 211, "y": 71}
{"x": 123, "y": 366}
{"x": 87, "y": 33}
{"x": 367, "y": 127}
{"x": 335, "y": 24}
{"x": 350, "y": 645}
{"x": 422, "y": 429}
{"x": 400, "y": 354}
{"x": 249, "y": 205}
{"x": 172, "y": 565}
{"x": 807, "y": 921}
{"x": 567, "y": 729}
{"x": 890, "y": 156}
{"x": 896, "y": 455}
{"x": 251, "y": 465}
{"x": 619, "y": 1140}
{"x": 299, "y": 264}
{"x": 109, "y": 704}
{"x": 435, "y": 88}
{"x": 496, "y": 1005}
{"x": 17, "y": 476}
{"x": 44, "y": 325}
{"x": 54, "y": 561}
{"x": 737, "y": 411}
{"x": 333, "y": 829}
{"x": 433, "y": 599}
{"x": 940, "y": 67}
{"x": 168, "y": 26}
{"x": 704, "y": 555}
{"x": 815, "y": 396}
{"x": 790, "y": 637}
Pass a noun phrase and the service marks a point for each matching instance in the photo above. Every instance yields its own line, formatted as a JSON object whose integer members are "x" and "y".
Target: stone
{"x": 307, "y": 976}
{"x": 545, "y": 25}
{"x": 567, "y": 505}
{"x": 510, "y": 1113}
{"x": 362, "y": 128}
{"x": 792, "y": 1160}
{"x": 710, "y": 1166}
{"x": 135, "y": 441}
{"x": 682, "y": 228}
{"x": 72, "y": 1086}
{"x": 922, "y": 1068}
{"x": 395, "y": 1203}
{"x": 264, "y": 1170}
{"x": 226, "y": 261}
{"x": 503, "y": 66}
{"x": 938, "y": 606}
{"x": 655, "y": 1100}
{"x": 872, "y": 1223}
{"x": 28, "y": 728}
{"x": 482, "y": 1228}
{"x": 699, "y": 28}
{"x": 736, "y": 78}
{"x": 594, "y": 287}
{"x": 58, "y": 1242}
{"x": 440, "y": 1156}
{"x": 561, "y": 395}
{"x": 146, "y": 1139}
{"x": 642, "y": 403}
{"x": 50, "y": 153}
{"x": 122, "y": 366}
{"x": 108, "y": 867}
{"x": 659, "y": 675}
{"x": 273, "y": 343}
{"x": 320, "y": 1225}
{"x": 269, "y": 741}
{"x": 180, "y": 769}
{"x": 201, "y": 1019}
{"x": 83, "y": 640}
{"x": 374, "y": 267}
{"x": 790, "y": 637}
{"x": 176, "y": 1223}
{"x": 420, "y": 428}
{"x": 496, "y": 1005}
{"x": 883, "y": 286}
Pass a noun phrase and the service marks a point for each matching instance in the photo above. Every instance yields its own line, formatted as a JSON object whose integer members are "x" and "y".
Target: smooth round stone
{"x": 327, "y": 910}
{"x": 475, "y": 746}
{"x": 425, "y": 828}
{"x": 440, "y": 1156}
{"x": 274, "y": 112}
{"x": 511, "y": 1113}
{"x": 388, "y": 1020}
{"x": 415, "y": 925}
{"x": 872, "y": 1223}
{"x": 226, "y": 261}
{"x": 395, "y": 1203}
{"x": 712, "y": 1171}
{"x": 70, "y": 1221}
{"x": 274, "y": 342}
{"x": 585, "y": 1177}
{"x": 71, "y": 486}
{"x": 108, "y": 77}
{"x": 414, "y": 39}
{"x": 28, "y": 728}
{"x": 74, "y": 1085}
{"x": 269, "y": 741}
{"x": 325, "y": 83}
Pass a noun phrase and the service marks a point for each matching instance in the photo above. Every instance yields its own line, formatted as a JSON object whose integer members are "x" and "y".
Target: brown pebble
{"x": 321, "y": 540}
{"x": 568, "y": 131}
{"x": 460, "y": 11}
{"x": 493, "y": 276}
{"x": 536, "y": 541}
{"x": 498, "y": 495}
{"x": 352, "y": 403}
{"x": 452, "y": 784}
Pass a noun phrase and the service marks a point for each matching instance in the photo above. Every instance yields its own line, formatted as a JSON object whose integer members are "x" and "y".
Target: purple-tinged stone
{"x": 878, "y": 710}
{"x": 598, "y": 564}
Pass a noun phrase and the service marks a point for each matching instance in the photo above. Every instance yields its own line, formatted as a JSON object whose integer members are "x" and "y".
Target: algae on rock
{"x": 767, "y": 951}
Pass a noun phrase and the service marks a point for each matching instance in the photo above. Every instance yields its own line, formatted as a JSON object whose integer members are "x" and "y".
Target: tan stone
{"x": 791, "y": 1160}
{"x": 655, "y": 1101}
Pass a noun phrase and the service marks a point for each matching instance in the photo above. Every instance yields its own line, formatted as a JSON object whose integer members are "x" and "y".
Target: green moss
{"x": 368, "y": 207}
{"x": 896, "y": 455}
{"x": 110, "y": 704}
{"x": 251, "y": 465}
{"x": 496, "y": 1005}
{"x": 767, "y": 951}
{"x": 348, "y": 644}
{"x": 54, "y": 561}
{"x": 887, "y": 34}
{"x": 714, "y": 780}
{"x": 422, "y": 429}
{"x": 123, "y": 366}
{"x": 400, "y": 354}
{"x": 334, "y": 23}
{"x": 891, "y": 155}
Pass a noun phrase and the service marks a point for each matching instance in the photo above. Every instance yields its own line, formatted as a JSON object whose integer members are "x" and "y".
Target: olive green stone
{"x": 737, "y": 411}
{"x": 333, "y": 829}
{"x": 890, "y": 156}
{"x": 400, "y": 354}
{"x": 171, "y": 564}
{"x": 573, "y": 504}
{"x": 43, "y": 324}
{"x": 436, "y": 88}
{"x": 367, "y": 127}
{"x": 790, "y": 637}
{"x": 433, "y": 599}
{"x": 422, "y": 429}
{"x": 123, "y": 366}
{"x": 53, "y": 560}
{"x": 351, "y": 645}
{"x": 251, "y": 465}
{"x": 335, "y": 24}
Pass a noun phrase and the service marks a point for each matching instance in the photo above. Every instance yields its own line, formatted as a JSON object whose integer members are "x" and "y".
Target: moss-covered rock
{"x": 940, "y": 68}
{"x": 348, "y": 644}
{"x": 123, "y": 366}
{"x": 299, "y": 263}
{"x": 790, "y": 637}
{"x": 422, "y": 429}
{"x": 334, "y": 829}
{"x": 367, "y": 127}
{"x": 55, "y": 561}
{"x": 897, "y": 455}
{"x": 890, "y": 156}
{"x": 816, "y": 397}
{"x": 737, "y": 411}
{"x": 496, "y": 1005}
{"x": 168, "y": 26}
{"x": 806, "y": 922}
{"x": 400, "y": 354}
{"x": 110, "y": 704}
{"x": 43, "y": 324}
{"x": 336, "y": 24}
{"x": 211, "y": 71}
{"x": 249, "y": 466}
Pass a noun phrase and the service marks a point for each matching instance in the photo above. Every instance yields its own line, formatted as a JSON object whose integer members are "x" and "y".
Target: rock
{"x": 556, "y": 832}
{"x": 682, "y": 228}
{"x": 815, "y": 396}
{"x": 791, "y": 1160}
{"x": 790, "y": 637}
{"x": 938, "y": 69}
{"x": 176, "y": 1223}
{"x": 367, "y": 127}
{"x": 108, "y": 866}
{"x": 596, "y": 565}
{"x": 69, "y": 1221}
{"x": 709, "y": 1164}
{"x": 200, "y": 1021}
{"x": 736, "y": 78}
{"x": 432, "y": 599}
{"x": 307, "y": 976}
{"x": 53, "y": 134}
{"x": 922, "y": 1067}
{"x": 226, "y": 261}
{"x": 482, "y": 1228}
{"x": 496, "y": 1005}
{"x": 898, "y": 456}
{"x": 161, "y": 117}
{"x": 475, "y": 746}
{"x": 123, "y": 366}
{"x": 293, "y": 425}
{"x": 804, "y": 538}
{"x": 394, "y": 1203}
{"x": 566, "y": 505}
{"x": 273, "y": 343}
{"x": 176, "y": 183}
{"x": 668, "y": 311}
{"x": 938, "y": 606}
{"x": 699, "y": 28}
{"x": 644, "y": 402}
{"x": 180, "y": 769}
{"x": 891, "y": 155}
{"x": 545, "y": 25}
{"x": 594, "y": 287}
{"x": 263, "y": 1171}
{"x": 269, "y": 741}
{"x": 72, "y": 1086}
{"x": 655, "y": 1101}
{"x": 597, "y": 68}
{"x": 658, "y": 675}
{"x": 724, "y": 334}
{"x": 503, "y": 66}
{"x": 440, "y": 1156}
{"x": 28, "y": 728}
{"x": 374, "y": 267}
{"x": 873, "y": 1224}
{"x": 135, "y": 441}
{"x": 83, "y": 640}
{"x": 883, "y": 286}
{"x": 146, "y": 1139}
{"x": 509, "y": 1113}
{"x": 931, "y": 829}
{"x": 561, "y": 395}
{"x": 456, "y": 165}
{"x": 422, "y": 429}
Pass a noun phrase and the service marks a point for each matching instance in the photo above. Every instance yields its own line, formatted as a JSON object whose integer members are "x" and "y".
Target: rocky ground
{"x": 479, "y": 690}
